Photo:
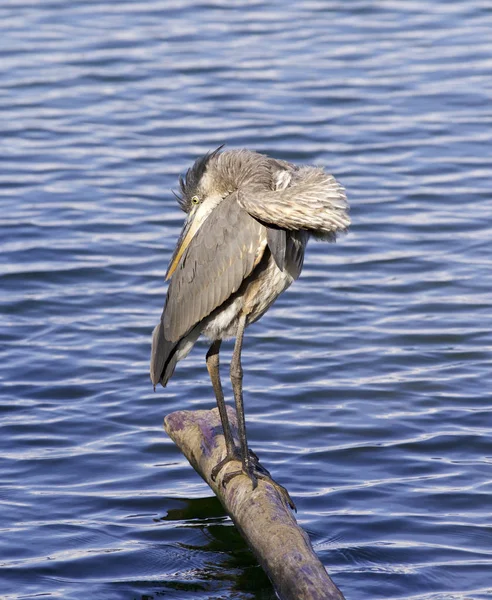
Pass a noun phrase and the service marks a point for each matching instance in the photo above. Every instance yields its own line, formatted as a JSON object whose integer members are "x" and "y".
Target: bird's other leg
{"x": 237, "y": 388}
{"x": 213, "y": 370}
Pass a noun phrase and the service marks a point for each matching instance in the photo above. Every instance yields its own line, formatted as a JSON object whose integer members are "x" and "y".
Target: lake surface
{"x": 367, "y": 385}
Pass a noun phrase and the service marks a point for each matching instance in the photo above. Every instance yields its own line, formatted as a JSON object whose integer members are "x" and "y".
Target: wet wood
{"x": 262, "y": 516}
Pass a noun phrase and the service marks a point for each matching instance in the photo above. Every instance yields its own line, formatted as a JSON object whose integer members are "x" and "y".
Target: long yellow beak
{"x": 183, "y": 243}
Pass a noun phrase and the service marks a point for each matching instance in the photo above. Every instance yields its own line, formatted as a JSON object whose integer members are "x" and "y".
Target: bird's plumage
{"x": 254, "y": 216}
{"x": 188, "y": 185}
{"x": 313, "y": 201}
{"x": 218, "y": 259}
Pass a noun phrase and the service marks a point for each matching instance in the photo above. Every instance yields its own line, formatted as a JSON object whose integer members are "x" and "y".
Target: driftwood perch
{"x": 262, "y": 516}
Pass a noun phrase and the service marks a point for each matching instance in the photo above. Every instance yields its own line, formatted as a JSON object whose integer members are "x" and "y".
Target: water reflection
{"x": 230, "y": 558}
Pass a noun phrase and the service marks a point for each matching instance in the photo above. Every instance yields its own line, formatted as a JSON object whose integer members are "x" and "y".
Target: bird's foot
{"x": 248, "y": 468}
{"x": 230, "y": 456}
{"x": 254, "y": 470}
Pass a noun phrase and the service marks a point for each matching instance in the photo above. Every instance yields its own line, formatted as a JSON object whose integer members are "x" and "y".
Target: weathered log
{"x": 262, "y": 516}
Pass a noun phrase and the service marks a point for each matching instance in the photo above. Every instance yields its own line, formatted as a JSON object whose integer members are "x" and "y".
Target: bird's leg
{"x": 213, "y": 370}
{"x": 237, "y": 388}
{"x": 250, "y": 462}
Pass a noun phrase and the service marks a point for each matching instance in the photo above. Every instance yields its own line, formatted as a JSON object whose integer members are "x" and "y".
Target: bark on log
{"x": 262, "y": 516}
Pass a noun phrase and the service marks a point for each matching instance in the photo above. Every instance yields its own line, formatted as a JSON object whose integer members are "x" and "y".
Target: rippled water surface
{"x": 367, "y": 385}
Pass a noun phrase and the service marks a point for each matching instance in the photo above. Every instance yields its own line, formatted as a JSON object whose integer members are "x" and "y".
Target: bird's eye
{"x": 195, "y": 199}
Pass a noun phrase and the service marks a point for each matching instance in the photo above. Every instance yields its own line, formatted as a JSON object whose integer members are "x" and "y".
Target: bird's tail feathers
{"x": 162, "y": 359}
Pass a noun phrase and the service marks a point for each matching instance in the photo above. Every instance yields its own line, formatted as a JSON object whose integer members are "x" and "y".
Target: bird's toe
{"x": 248, "y": 470}
{"x": 219, "y": 466}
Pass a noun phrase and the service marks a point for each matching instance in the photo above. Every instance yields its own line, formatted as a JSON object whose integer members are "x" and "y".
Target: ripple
{"x": 366, "y": 384}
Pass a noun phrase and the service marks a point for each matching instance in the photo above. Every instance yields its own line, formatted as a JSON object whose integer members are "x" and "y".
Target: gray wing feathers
{"x": 313, "y": 201}
{"x": 277, "y": 242}
{"x": 219, "y": 257}
{"x": 294, "y": 256}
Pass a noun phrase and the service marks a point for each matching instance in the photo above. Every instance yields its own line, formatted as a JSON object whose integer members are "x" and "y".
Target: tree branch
{"x": 262, "y": 516}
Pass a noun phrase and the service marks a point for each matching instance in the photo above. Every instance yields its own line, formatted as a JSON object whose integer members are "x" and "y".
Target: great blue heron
{"x": 248, "y": 221}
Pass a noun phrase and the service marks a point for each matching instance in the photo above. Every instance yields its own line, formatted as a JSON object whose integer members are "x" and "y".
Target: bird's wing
{"x": 313, "y": 201}
{"x": 221, "y": 254}
{"x": 277, "y": 242}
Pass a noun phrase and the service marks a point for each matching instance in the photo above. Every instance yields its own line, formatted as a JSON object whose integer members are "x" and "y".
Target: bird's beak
{"x": 189, "y": 230}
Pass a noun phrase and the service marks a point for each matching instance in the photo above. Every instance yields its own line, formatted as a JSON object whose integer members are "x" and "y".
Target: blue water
{"x": 367, "y": 385}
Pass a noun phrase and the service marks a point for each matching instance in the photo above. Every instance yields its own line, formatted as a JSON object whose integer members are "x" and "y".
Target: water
{"x": 367, "y": 385}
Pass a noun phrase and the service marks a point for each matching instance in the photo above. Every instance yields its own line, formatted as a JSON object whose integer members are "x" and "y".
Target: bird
{"x": 248, "y": 219}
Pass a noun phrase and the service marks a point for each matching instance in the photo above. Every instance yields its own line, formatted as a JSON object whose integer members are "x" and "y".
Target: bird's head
{"x": 210, "y": 180}
{"x": 197, "y": 197}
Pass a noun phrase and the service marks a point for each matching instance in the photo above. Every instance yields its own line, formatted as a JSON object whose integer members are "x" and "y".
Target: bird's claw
{"x": 254, "y": 470}
{"x": 230, "y": 456}
{"x": 248, "y": 470}
{"x": 219, "y": 466}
